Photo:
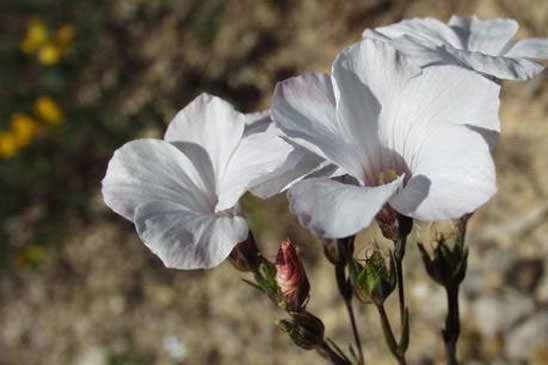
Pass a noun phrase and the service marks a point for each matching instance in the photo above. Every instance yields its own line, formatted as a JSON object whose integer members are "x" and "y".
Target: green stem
{"x": 326, "y": 351}
{"x": 355, "y": 332}
{"x": 346, "y": 247}
{"x": 389, "y": 336}
{"x": 452, "y": 324}
{"x": 399, "y": 253}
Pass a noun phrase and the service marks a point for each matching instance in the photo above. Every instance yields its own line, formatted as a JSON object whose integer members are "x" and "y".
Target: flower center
{"x": 386, "y": 177}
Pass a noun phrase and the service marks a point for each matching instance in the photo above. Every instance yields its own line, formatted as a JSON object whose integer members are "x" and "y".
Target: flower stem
{"x": 326, "y": 351}
{"x": 355, "y": 332}
{"x": 389, "y": 336}
{"x": 399, "y": 253}
{"x": 452, "y": 324}
{"x": 345, "y": 289}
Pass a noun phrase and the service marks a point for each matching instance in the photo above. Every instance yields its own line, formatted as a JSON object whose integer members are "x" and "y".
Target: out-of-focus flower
{"x": 485, "y": 46}
{"x": 24, "y": 128}
{"x": 63, "y": 38}
{"x": 182, "y": 192}
{"x": 416, "y": 140}
{"x": 49, "y": 54}
{"x": 36, "y": 35}
{"x": 293, "y": 286}
{"x": 48, "y": 110}
{"x": 8, "y": 144}
{"x": 49, "y": 48}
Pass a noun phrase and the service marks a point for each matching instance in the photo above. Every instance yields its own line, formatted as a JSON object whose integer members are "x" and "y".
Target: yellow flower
{"x": 49, "y": 54}
{"x": 8, "y": 145}
{"x": 24, "y": 128}
{"x": 47, "y": 109}
{"x": 35, "y": 36}
{"x": 63, "y": 38}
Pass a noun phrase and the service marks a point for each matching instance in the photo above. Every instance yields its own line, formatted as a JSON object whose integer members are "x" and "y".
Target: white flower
{"x": 485, "y": 46}
{"x": 182, "y": 192}
{"x": 415, "y": 140}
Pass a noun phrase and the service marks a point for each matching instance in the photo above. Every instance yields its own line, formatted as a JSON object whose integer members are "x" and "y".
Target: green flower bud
{"x": 374, "y": 280}
{"x": 305, "y": 329}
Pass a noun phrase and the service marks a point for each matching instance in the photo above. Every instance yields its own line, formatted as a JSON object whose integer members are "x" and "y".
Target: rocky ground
{"x": 103, "y": 298}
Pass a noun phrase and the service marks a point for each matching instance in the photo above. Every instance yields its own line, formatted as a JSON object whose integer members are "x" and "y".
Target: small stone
{"x": 527, "y": 338}
{"x": 175, "y": 348}
{"x": 495, "y": 313}
{"x": 93, "y": 355}
{"x": 524, "y": 275}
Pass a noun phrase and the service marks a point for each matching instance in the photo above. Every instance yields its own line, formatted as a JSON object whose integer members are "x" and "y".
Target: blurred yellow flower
{"x": 47, "y": 109}
{"x": 8, "y": 145}
{"x": 36, "y": 35}
{"x": 49, "y": 54}
{"x": 49, "y": 49}
{"x": 24, "y": 128}
{"x": 31, "y": 256}
{"x": 63, "y": 38}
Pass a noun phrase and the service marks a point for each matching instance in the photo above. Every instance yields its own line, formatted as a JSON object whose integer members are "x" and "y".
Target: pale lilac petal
{"x": 428, "y": 31}
{"x": 422, "y": 54}
{"x": 501, "y": 67}
{"x": 257, "y": 156}
{"x": 304, "y": 109}
{"x": 484, "y": 36}
{"x": 529, "y": 48}
{"x": 185, "y": 239}
{"x": 331, "y": 209}
{"x": 148, "y": 170}
{"x": 441, "y": 95}
{"x": 212, "y": 123}
{"x": 367, "y": 76}
{"x": 454, "y": 174}
{"x": 299, "y": 164}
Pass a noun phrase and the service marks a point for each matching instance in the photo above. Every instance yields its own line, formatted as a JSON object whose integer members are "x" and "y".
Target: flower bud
{"x": 374, "y": 280}
{"x": 337, "y": 251}
{"x": 443, "y": 251}
{"x": 293, "y": 286}
{"x": 305, "y": 329}
{"x": 245, "y": 256}
{"x": 393, "y": 225}
{"x": 331, "y": 251}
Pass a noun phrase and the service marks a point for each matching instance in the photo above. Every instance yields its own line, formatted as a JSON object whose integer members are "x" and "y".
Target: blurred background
{"x": 80, "y": 77}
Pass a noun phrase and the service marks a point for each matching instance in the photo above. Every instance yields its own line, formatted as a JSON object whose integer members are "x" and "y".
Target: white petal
{"x": 504, "y": 68}
{"x": 183, "y": 239}
{"x": 421, "y": 53}
{"x": 485, "y": 36}
{"x": 367, "y": 77}
{"x": 257, "y": 122}
{"x": 428, "y": 31}
{"x": 257, "y": 156}
{"x": 331, "y": 209}
{"x": 212, "y": 123}
{"x": 454, "y": 174}
{"x": 149, "y": 170}
{"x": 441, "y": 95}
{"x": 529, "y": 48}
{"x": 299, "y": 164}
{"x": 304, "y": 109}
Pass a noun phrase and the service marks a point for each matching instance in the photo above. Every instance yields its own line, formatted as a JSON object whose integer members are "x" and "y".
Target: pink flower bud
{"x": 245, "y": 256}
{"x": 392, "y": 224}
{"x": 293, "y": 286}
